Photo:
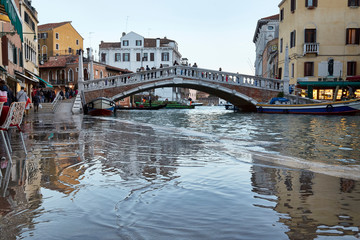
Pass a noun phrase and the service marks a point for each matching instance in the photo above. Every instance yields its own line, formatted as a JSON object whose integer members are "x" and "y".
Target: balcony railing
{"x": 311, "y": 48}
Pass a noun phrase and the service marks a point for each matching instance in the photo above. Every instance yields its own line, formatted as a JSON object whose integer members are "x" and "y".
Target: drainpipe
{"x": 286, "y": 78}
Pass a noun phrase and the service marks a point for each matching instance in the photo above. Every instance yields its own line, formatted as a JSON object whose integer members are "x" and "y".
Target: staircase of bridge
{"x": 244, "y": 91}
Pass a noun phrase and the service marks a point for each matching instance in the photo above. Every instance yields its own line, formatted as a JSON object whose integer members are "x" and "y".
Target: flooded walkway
{"x": 127, "y": 177}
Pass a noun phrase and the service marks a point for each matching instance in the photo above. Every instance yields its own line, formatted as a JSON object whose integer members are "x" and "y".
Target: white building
{"x": 135, "y": 52}
{"x": 267, "y": 29}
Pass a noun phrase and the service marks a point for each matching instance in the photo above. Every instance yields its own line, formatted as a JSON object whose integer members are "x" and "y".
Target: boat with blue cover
{"x": 325, "y": 108}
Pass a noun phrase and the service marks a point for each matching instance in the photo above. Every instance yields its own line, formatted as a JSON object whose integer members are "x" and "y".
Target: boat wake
{"x": 253, "y": 152}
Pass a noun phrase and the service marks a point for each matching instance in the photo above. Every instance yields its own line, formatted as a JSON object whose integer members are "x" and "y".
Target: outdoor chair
{"x": 13, "y": 120}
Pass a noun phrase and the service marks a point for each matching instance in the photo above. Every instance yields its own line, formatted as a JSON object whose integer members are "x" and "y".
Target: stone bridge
{"x": 243, "y": 91}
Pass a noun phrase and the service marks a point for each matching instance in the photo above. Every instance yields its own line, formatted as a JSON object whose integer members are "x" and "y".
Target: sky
{"x": 212, "y": 33}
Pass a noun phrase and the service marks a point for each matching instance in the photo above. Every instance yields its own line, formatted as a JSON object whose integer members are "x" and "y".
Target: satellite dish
{"x": 42, "y": 62}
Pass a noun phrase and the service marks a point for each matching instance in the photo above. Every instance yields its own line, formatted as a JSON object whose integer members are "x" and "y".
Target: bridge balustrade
{"x": 186, "y": 72}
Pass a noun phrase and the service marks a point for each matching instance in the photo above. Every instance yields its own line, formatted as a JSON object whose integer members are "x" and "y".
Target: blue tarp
{"x": 278, "y": 99}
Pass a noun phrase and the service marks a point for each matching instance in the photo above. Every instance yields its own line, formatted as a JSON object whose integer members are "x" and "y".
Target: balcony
{"x": 311, "y": 48}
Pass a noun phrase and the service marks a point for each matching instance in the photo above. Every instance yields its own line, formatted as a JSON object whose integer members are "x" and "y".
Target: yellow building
{"x": 58, "y": 39}
{"x": 30, "y": 46}
{"x": 323, "y": 42}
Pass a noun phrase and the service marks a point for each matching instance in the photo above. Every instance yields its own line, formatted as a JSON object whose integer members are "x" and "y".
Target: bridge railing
{"x": 185, "y": 72}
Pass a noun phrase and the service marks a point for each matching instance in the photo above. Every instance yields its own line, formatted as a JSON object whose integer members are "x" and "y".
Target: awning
{"x": 46, "y": 83}
{"x": 25, "y": 77}
{"x": 2, "y": 69}
{"x": 14, "y": 16}
{"x": 329, "y": 84}
{"x": 36, "y": 76}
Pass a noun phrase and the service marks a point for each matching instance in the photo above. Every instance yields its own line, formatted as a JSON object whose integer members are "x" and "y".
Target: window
{"x": 138, "y": 57}
{"x": 70, "y": 50}
{"x": 165, "y": 56}
{"x": 42, "y": 35}
{"x": 352, "y": 35}
{"x": 353, "y": 3}
{"x": 281, "y": 45}
{"x": 310, "y": 35}
{"x": 57, "y": 35}
{"x": 152, "y": 57}
{"x": 29, "y": 21}
{"x": 71, "y": 75}
{"x": 292, "y": 39}
{"x": 351, "y": 68}
{"x": 145, "y": 58}
{"x": 138, "y": 42}
{"x": 126, "y": 57}
{"x": 310, "y": 3}
{"x": 57, "y": 46}
{"x": 126, "y": 43}
{"x": 292, "y": 70}
{"x": 270, "y": 28}
{"x": 280, "y": 73}
{"x": 77, "y": 42}
{"x": 293, "y": 6}
{"x": 117, "y": 57}
{"x": 308, "y": 69}
{"x": 281, "y": 14}
{"x": 103, "y": 57}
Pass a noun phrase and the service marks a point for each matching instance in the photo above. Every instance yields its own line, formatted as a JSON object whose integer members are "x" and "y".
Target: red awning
{"x": 353, "y": 78}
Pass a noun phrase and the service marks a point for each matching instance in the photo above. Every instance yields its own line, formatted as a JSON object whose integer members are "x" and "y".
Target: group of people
{"x": 8, "y": 97}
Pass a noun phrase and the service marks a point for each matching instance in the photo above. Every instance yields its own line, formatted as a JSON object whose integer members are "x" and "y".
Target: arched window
{"x": 86, "y": 75}
{"x": 71, "y": 75}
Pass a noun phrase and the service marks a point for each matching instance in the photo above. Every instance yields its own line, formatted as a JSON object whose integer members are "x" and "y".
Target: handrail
{"x": 56, "y": 103}
{"x": 192, "y": 73}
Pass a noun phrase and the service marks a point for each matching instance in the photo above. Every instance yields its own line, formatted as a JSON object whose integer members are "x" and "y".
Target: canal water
{"x": 204, "y": 173}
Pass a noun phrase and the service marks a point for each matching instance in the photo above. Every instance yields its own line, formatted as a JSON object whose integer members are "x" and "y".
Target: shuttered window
{"x": 293, "y": 6}
{"x": 310, "y": 35}
{"x": 352, "y": 35}
{"x": 308, "y": 69}
{"x": 351, "y": 68}
{"x": 353, "y": 3}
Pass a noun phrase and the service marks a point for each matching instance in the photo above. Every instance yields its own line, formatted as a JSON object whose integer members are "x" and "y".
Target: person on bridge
{"x": 194, "y": 66}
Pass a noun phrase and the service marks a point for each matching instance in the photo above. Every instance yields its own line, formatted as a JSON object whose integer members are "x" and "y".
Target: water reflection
{"x": 309, "y": 204}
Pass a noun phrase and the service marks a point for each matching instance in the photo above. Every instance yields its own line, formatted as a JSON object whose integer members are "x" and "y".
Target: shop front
{"x": 329, "y": 90}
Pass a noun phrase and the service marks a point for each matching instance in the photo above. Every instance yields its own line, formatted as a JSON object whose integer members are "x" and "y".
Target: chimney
{"x": 158, "y": 42}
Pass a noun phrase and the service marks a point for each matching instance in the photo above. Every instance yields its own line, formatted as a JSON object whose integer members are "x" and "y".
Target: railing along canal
{"x": 191, "y": 73}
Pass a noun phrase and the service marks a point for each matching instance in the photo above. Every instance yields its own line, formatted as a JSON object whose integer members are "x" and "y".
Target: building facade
{"x": 56, "y": 39}
{"x": 267, "y": 30}
{"x": 135, "y": 53}
{"x": 19, "y": 65}
{"x": 63, "y": 71}
{"x": 323, "y": 42}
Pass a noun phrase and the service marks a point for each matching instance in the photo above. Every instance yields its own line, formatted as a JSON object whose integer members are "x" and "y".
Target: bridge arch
{"x": 228, "y": 94}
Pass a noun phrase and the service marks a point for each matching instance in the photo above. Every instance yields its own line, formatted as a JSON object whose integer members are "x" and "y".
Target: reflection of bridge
{"x": 241, "y": 90}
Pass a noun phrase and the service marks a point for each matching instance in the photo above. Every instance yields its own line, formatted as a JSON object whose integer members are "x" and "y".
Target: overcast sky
{"x": 212, "y": 33}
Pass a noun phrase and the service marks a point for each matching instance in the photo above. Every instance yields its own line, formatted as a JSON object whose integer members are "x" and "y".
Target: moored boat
{"x": 169, "y": 104}
{"x": 100, "y": 107}
{"x": 142, "y": 107}
{"x": 326, "y": 108}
